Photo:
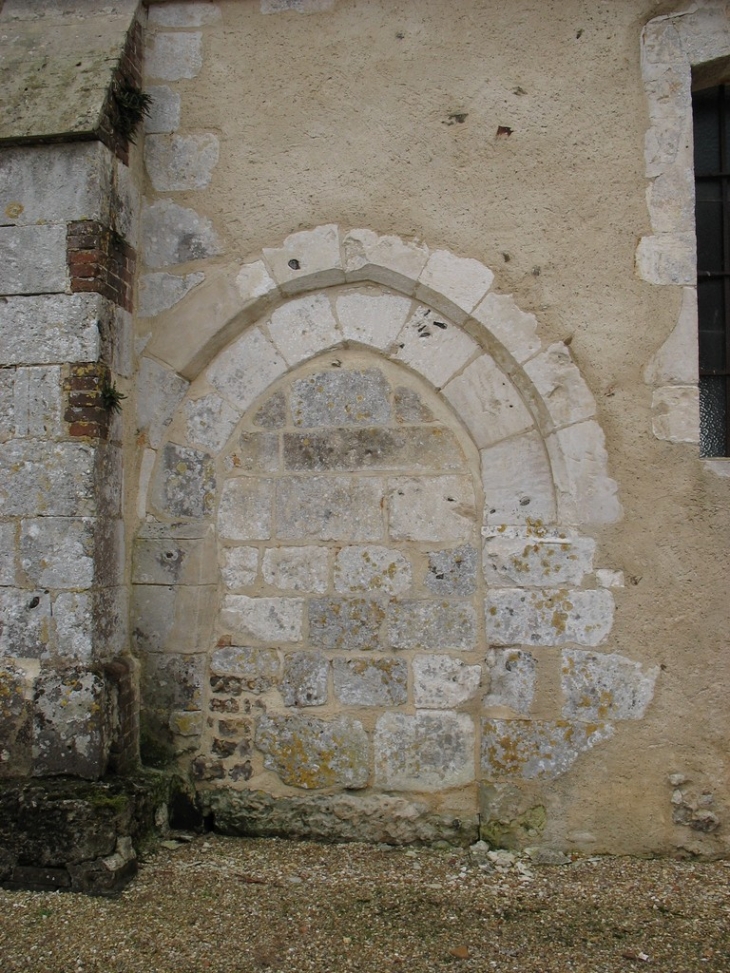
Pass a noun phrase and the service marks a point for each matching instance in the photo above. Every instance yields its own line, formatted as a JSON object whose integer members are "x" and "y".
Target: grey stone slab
{"x": 184, "y": 484}
{"x": 159, "y": 392}
{"x": 158, "y": 292}
{"x": 410, "y": 407}
{"x": 431, "y": 508}
{"x": 345, "y": 623}
{"x": 37, "y": 402}
{"x": 277, "y": 620}
{"x": 174, "y": 56}
{"x": 453, "y": 571}
{"x": 56, "y": 479}
{"x": 7, "y": 404}
{"x": 433, "y": 624}
{"x": 442, "y": 682}
{"x": 179, "y": 162}
{"x": 430, "y": 751}
{"x": 371, "y": 568}
{"x": 370, "y": 682}
{"x": 605, "y": 687}
{"x": 257, "y": 669}
{"x": 244, "y": 511}
{"x": 552, "y": 616}
{"x": 375, "y": 448}
{"x": 305, "y": 679}
{"x": 33, "y": 259}
{"x": 50, "y": 329}
{"x": 73, "y": 617}
{"x": 313, "y": 754}
{"x": 209, "y": 421}
{"x": 7, "y": 552}
{"x": 172, "y": 562}
{"x": 272, "y": 414}
{"x": 26, "y": 631}
{"x": 341, "y": 397}
{"x": 513, "y": 677}
{"x": 173, "y": 234}
{"x": 164, "y": 111}
{"x": 253, "y": 452}
{"x": 172, "y": 619}
{"x": 171, "y": 683}
{"x": 183, "y": 14}
{"x": 239, "y": 566}
{"x": 536, "y": 556}
{"x": 70, "y": 723}
{"x": 296, "y": 568}
{"x": 528, "y": 749}
{"x": 329, "y": 508}
{"x": 58, "y": 552}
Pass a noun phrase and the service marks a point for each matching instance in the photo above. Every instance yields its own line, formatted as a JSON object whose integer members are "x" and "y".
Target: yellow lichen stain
{"x": 13, "y": 210}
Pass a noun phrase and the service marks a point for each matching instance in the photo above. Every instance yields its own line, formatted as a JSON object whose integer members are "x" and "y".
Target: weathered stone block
{"x": 341, "y": 397}
{"x": 372, "y": 318}
{"x": 586, "y": 493}
{"x": 440, "y": 682}
{"x": 345, "y": 623}
{"x": 172, "y": 682}
{"x": 173, "y": 619}
{"x": 410, "y": 407}
{"x": 433, "y": 346}
{"x": 385, "y": 259}
{"x": 16, "y": 720}
{"x": 425, "y": 752}
{"x": 246, "y": 368}
{"x": 296, "y": 568}
{"x": 239, "y": 566}
{"x": 7, "y": 404}
{"x": 303, "y": 328}
{"x": 536, "y": 556}
{"x": 370, "y": 682}
{"x": 70, "y": 732}
{"x": 675, "y": 363}
{"x": 431, "y": 625}
{"x": 452, "y": 572}
{"x": 7, "y": 553}
{"x": 253, "y": 452}
{"x": 329, "y": 508}
{"x": 272, "y": 414}
{"x": 548, "y": 616}
{"x": 179, "y": 162}
{"x": 311, "y": 753}
{"x": 73, "y": 617}
{"x": 56, "y": 479}
{"x": 157, "y": 292}
{"x": 159, "y": 392}
{"x": 33, "y": 259}
{"x": 50, "y": 328}
{"x": 172, "y": 234}
{"x": 676, "y": 414}
{"x": 488, "y": 402}
{"x": 184, "y": 484}
{"x": 257, "y": 669}
{"x": 307, "y": 260}
{"x": 372, "y": 449}
{"x": 172, "y": 57}
{"x": 561, "y": 386}
{"x": 209, "y": 421}
{"x": 667, "y": 258}
{"x": 513, "y": 676}
{"x": 431, "y": 508}
{"x": 164, "y": 111}
{"x": 605, "y": 687}
{"x": 305, "y": 679}
{"x": 513, "y": 329}
{"x": 518, "y": 482}
{"x": 173, "y": 561}
{"x": 58, "y": 552}
{"x": 265, "y": 619}
{"x": 184, "y": 14}
{"x": 244, "y": 511}
{"x": 37, "y": 402}
{"x": 371, "y": 569}
{"x": 453, "y": 284}
{"x": 536, "y": 748}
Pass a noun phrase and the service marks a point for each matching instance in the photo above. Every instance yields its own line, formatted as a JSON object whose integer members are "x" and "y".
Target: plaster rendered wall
{"x": 512, "y": 135}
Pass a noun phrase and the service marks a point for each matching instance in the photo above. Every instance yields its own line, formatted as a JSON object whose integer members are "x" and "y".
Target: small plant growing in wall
{"x": 129, "y": 105}
{"x": 111, "y": 397}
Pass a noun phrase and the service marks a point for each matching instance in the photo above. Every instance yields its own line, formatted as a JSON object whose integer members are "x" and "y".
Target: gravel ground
{"x": 231, "y": 905}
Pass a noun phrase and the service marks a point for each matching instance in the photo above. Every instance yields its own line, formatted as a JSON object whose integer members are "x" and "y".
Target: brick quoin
{"x": 101, "y": 261}
{"x": 127, "y": 74}
{"x": 85, "y": 412}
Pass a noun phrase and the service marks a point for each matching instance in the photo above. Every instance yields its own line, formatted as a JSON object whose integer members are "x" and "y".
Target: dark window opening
{"x": 711, "y": 108}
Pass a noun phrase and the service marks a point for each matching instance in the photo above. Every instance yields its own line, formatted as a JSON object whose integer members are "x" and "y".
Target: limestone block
{"x": 370, "y": 682}
{"x": 26, "y": 629}
{"x": 296, "y": 568}
{"x": 209, "y": 421}
{"x": 453, "y": 571}
{"x": 73, "y": 618}
{"x": 33, "y": 259}
{"x": 246, "y": 368}
{"x": 272, "y": 414}
{"x": 586, "y": 494}
{"x": 675, "y": 363}
{"x": 56, "y": 479}
{"x": 527, "y": 556}
{"x": 253, "y": 452}
{"x": 184, "y": 14}
{"x": 549, "y": 616}
{"x": 676, "y": 413}
{"x": 439, "y": 625}
{"x": 345, "y": 623}
{"x": 17, "y": 683}
{"x": 669, "y": 199}
{"x": 410, "y": 407}
{"x": 146, "y": 467}
{"x": 433, "y": 508}
{"x": 264, "y": 619}
{"x": 371, "y": 568}
{"x": 373, "y": 448}
{"x": 172, "y": 57}
{"x": 514, "y": 329}
{"x": 667, "y": 258}
{"x": 300, "y": 6}
{"x": 440, "y": 682}
{"x": 7, "y": 404}
{"x": 170, "y": 618}
{"x": 453, "y": 285}
{"x": 50, "y": 328}
{"x": 110, "y": 620}
{"x": 329, "y": 508}
{"x": 54, "y": 183}
{"x": 542, "y": 749}
{"x": 609, "y": 579}
{"x": 605, "y": 687}
{"x": 560, "y": 385}
{"x": 312, "y": 754}
{"x": 431, "y": 751}
{"x": 254, "y": 282}
{"x": 705, "y": 33}
{"x": 160, "y": 291}
{"x": 305, "y": 679}
{"x": 172, "y": 234}
{"x": 179, "y": 162}
{"x": 371, "y": 318}
{"x": 239, "y": 566}
{"x": 125, "y": 202}
{"x": 159, "y": 391}
{"x": 7, "y": 553}
{"x": 173, "y": 561}
{"x": 184, "y": 482}
{"x": 164, "y": 110}
{"x": 244, "y": 511}
{"x": 434, "y": 347}
{"x": 58, "y": 552}
{"x": 307, "y": 260}
{"x": 342, "y": 396}
{"x": 118, "y": 343}
{"x": 304, "y": 328}
{"x": 258, "y": 669}
{"x": 384, "y": 259}
{"x": 487, "y": 402}
{"x": 37, "y": 402}
{"x": 70, "y": 733}
{"x": 172, "y": 683}
{"x": 513, "y": 677}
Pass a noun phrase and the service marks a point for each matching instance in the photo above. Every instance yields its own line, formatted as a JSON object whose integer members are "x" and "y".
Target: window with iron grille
{"x": 711, "y": 110}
